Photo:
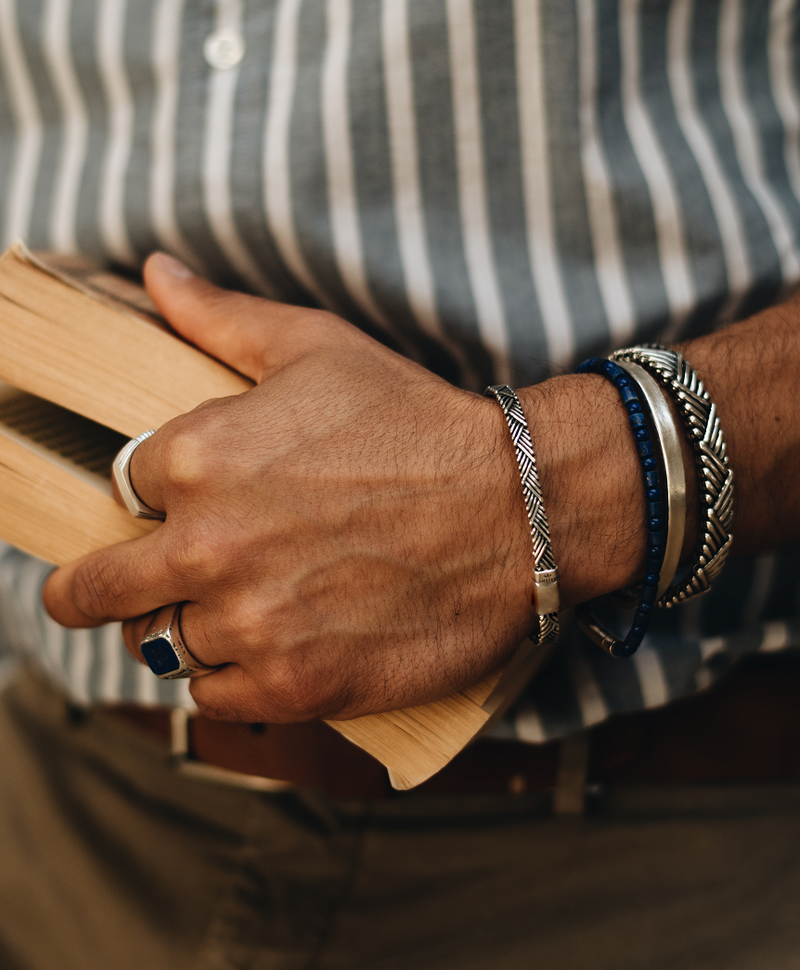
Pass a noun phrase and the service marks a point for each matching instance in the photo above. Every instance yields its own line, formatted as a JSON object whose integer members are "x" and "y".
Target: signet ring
{"x": 164, "y": 648}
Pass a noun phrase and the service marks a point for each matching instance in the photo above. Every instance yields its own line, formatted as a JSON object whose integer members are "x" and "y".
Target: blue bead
{"x": 611, "y": 369}
{"x": 654, "y": 565}
{"x": 637, "y": 632}
{"x": 657, "y": 539}
{"x": 655, "y": 525}
{"x": 634, "y": 407}
{"x": 653, "y": 494}
{"x": 636, "y": 420}
{"x": 650, "y": 478}
{"x": 655, "y": 552}
{"x": 645, "y": 450}
{"x": 655, "y": 508}
{"x": 645, "y": 606}
{"x": 619, "y": 376}
{"x": 651, "y": 579}
{"x": 648, "y": 597}
{"x": 627, "y": 394}
{"x": 640, "y": 434}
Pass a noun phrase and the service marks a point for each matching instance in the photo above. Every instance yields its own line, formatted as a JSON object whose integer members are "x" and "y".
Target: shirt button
{"x": 223, "y": 49}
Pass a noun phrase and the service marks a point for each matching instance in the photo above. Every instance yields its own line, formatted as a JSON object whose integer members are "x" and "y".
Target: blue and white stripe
{"x": 494, "y": 187}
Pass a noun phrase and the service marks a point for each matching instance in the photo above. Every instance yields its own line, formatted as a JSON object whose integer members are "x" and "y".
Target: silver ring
{"x": 164, "y": 649}
{"x": 122, "y": 487}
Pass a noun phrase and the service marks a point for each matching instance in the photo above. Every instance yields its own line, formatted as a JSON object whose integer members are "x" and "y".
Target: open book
{"x": 85, "y": 364}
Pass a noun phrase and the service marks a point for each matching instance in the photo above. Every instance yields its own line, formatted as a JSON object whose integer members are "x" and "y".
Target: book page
{"x": 90, "y": 278}
{"x": 80, "y": 446}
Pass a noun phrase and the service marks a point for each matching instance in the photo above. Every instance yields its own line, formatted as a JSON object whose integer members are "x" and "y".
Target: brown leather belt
{"x": 747, "y": 728}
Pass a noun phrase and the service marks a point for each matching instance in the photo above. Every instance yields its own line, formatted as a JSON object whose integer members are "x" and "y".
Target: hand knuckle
{"x": 197, "y": 557}
{"x": 184, "y": 459}
{"x": 94, "y": 587}
{"x": 246, "y": 625}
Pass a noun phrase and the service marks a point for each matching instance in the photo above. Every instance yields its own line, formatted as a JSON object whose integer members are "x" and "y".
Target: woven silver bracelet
{"x": 545, "y": 574}
{"x": 715, "y": 476}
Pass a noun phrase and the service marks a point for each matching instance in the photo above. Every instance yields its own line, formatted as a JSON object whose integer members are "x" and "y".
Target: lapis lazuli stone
{"x": 645, "y": 450}
{"x": 160, "y": 656}
{"x": 653, "y": 494}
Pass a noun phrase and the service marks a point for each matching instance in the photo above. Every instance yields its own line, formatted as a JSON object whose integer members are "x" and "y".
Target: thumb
{"x": 247, "y": 333}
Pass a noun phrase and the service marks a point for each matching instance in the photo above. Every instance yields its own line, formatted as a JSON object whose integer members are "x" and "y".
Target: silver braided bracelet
{"x": 545, "y": 574}
{"x": 715, "y": 476}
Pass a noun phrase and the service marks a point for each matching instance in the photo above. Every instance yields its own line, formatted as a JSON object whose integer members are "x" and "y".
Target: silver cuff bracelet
{"x": 545, "y": 574}
{"x": 715, "y": 477}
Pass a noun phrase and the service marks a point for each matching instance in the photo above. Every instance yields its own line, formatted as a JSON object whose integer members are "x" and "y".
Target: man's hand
{"x": 348, "y": 536}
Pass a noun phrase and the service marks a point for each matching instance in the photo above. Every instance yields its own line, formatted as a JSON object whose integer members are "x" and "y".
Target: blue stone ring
{"x": 164, "y": 649}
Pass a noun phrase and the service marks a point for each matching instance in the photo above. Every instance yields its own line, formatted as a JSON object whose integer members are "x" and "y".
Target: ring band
{"x": 122, "y": 486}
{"x": 164, "y": 649}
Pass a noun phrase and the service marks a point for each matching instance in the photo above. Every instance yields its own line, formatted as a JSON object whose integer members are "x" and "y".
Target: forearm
{"x": 751, "y": 371}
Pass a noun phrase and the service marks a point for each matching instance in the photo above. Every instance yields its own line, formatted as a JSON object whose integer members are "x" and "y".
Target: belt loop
{"x": 179, "y": 733}
{"x": 569, "y": 796}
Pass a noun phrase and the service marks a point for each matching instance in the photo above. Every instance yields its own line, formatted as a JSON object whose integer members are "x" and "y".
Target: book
{"x": 71, "y": 335}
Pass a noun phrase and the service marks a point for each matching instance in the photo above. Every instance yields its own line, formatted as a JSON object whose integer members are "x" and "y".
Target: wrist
{"x": 591, "y": 484}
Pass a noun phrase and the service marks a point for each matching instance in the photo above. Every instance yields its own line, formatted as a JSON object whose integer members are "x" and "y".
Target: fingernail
{"x": 168, "y": 264}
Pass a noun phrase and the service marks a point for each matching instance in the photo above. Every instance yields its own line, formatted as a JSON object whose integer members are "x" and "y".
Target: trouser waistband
{"x": 746, "y": 728}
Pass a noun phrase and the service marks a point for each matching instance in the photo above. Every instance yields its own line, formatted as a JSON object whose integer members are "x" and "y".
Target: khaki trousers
{"x": 110, "y": 860}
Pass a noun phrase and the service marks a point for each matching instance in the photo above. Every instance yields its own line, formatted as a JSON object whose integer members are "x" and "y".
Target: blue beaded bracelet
{"x": 656, "y": 515}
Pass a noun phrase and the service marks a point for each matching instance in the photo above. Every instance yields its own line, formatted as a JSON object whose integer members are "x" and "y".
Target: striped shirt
{"x": 495, "y": 188}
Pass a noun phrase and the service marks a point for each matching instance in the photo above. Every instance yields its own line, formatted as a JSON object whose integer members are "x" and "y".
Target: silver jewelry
{"x": 699, "y": 415}
{"x": 122, "y": 487}
{"x": 164, "y": 649}
{"x": 672, "y": 462}
{"x": 545, "y": 574}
